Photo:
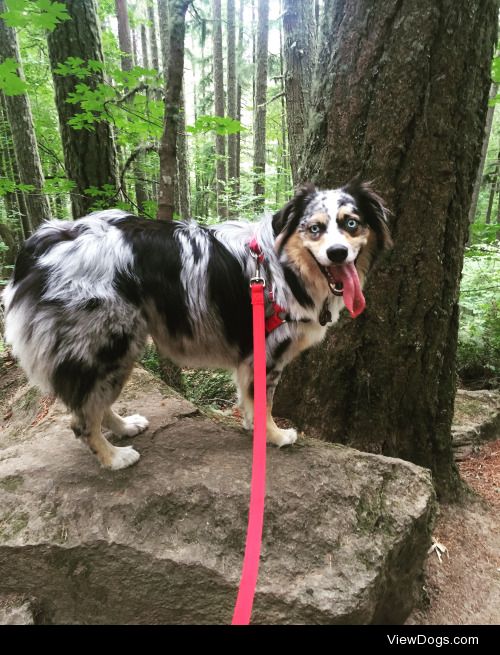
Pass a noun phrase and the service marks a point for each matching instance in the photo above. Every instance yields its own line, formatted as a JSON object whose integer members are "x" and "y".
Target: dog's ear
{"x": 286, "y": 220}
{"x": 372, "y": 209}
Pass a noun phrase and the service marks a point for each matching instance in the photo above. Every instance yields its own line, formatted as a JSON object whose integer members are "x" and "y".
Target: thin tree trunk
{"x": 232, "y": 110}
{"x": 163, "y": 22}
{"x": 168, "y": 146}
{"x": 89, "y": 156}
{"x": 493, "y": 189}
{"x": 125, "y": 41}
{"x": 124, "y": 35}
{"x": 259, "y": 160}
{"x": 484, "y": 152}
{"x": 299, "y": 27}
{"x": 8, "y": 168}
{"x": 23, "y": 134}
{"x": 239, "y": 96}
{"x": 182, "y": 181}
{"x": 284, "y": 144}
{"x": 386, "y": 382}
{"x": 155, "y": 60}
{"x": 220, "y": 140}
{"x": 144, "y": 47}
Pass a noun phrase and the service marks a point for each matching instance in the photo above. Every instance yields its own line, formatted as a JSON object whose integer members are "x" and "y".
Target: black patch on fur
{"x": 297, "y": 288}
{"x": 73, "y": 381}
{"x": 157, "y": 271}
{"x": 196, "y": 250}
{"x": 281, "y": 348}
{"x": 371, "y": 209}
{"x": 31, "y": 279}
{"x": 228, "y": 290}
{"x": 288, "y": 218}
{"x": 114, "y": 350}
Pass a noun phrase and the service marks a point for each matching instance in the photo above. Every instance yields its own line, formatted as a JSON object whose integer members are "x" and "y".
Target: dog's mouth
{"x": 343, "y": 280}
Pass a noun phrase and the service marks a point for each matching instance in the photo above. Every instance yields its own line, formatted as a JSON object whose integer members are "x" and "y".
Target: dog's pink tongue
{"x": 353, "y": 297}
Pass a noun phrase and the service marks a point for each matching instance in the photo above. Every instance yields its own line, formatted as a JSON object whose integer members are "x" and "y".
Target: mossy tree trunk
{"x": 400, "y": 97}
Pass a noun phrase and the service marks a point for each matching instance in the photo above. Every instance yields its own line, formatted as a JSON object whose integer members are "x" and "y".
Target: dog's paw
{"x": 282, "y": 437}
{"x": 247, "y": 422}
{"x": 133, "y": 425}
{"x": 123, "y": 457}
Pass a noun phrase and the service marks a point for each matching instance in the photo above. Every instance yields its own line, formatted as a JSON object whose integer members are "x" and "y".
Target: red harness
{"x": 275, "y": 314}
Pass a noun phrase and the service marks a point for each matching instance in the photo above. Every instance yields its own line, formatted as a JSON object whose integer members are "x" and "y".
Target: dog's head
{"x": 337, "y": 234}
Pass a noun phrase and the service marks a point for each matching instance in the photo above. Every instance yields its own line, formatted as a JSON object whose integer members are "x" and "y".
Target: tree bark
{"x": 259, "y": 159}
{"x": 89, "y": 156}
{"x": 168, "y": 146}
{"x": 23, "y": 135}
{"x": 299, "y": 26}
{"x": 231, "y": 90}
{"x": 220, "y": 140}
{"x": 400, "y": 97}
{"x": 124, "y": 35}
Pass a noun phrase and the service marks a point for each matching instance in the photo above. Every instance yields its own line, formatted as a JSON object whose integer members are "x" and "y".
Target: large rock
{"x": 476, "y": 420}
{"x": 345, "y": 533}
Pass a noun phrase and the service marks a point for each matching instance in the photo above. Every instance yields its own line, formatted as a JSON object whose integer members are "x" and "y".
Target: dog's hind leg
{"x": 87, "y": 426}
{"x": 128, "y": 426}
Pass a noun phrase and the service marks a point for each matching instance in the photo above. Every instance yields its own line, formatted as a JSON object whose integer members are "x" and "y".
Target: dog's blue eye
{"x": 352, "y": 224}
{"x": 315, "y": 229}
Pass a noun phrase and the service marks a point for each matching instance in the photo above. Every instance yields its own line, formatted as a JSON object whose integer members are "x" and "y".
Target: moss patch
{"x": 11, "y": 482}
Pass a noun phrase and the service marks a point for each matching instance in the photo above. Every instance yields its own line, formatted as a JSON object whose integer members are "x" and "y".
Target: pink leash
{"x": 246, "y": 592}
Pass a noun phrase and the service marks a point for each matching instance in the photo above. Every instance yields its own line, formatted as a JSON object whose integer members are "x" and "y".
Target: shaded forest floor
{"x": 463, "y": 585}
{"x": 462, "y": 588}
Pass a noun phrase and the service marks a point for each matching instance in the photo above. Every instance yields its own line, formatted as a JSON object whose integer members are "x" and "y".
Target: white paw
{"x": 123, "y": 457}
{"x": 248, "y": 422}
{"x": 282, "y": 437}
{"x": 133, "y": 425}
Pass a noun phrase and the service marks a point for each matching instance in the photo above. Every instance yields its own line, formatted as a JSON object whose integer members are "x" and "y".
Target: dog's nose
{"x": 337, "y": 254}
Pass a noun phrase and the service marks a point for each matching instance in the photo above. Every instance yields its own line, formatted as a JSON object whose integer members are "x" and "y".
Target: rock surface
{"x": 345, "y": 533}
{"x": 476, "y": 420}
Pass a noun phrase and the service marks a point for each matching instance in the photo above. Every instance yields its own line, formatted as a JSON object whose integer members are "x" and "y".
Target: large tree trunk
{"x": 231, "y": 94}
{"x": 173, "y": 93}
{"x": 220, "y": 139}
{"x": 89, "y": 156}
{"x": 23, "y": 135}
{"x": 401, "y": 95}
{"x": 299, "y": 25}
{"x": 259, "y": 158}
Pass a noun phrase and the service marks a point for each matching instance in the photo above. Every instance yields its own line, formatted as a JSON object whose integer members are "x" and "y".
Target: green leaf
{"x": 218, "y": 124}
{"x": 43, "y": 14}
{"x": 10, "y": 82}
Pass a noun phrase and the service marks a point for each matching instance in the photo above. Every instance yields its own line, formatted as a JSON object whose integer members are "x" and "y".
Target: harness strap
{"x": 246, "y": 592}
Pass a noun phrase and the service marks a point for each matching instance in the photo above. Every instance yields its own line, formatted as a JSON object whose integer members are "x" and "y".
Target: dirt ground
{"x": 463, "y": 587}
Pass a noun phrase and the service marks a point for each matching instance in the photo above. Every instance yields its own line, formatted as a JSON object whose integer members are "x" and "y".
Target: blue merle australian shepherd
{"x": 86, "y": 294}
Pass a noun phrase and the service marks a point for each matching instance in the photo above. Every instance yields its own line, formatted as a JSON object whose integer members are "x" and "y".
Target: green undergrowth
{"x": 205, "y": 387}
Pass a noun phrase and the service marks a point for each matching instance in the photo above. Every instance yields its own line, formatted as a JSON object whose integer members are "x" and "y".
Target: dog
{"x": 85, "y": 295}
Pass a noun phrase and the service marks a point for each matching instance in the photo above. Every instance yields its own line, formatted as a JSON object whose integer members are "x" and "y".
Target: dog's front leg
{"x": 278, "y": 436}
{"x": 244, "y": 379}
